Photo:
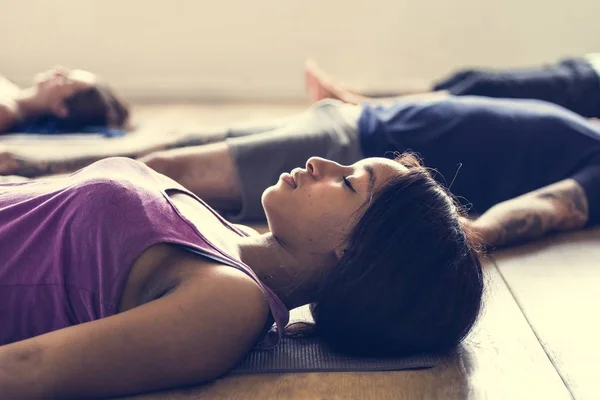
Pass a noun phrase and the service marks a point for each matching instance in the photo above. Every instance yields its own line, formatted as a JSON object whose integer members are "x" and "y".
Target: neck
{"x": 280, "y": 269}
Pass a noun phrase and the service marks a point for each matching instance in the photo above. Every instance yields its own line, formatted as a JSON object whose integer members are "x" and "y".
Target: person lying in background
{"x": 573, "y": 83}
{"x": 62, "y": 101}
{"x": 117, "y": 280}
{"x": 523, "y": 168}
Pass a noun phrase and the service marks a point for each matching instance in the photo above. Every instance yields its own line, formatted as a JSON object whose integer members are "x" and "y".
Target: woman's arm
{"x": 12, "y": 163}
{"x": 561, "y": 206}
{"x": 192, "y": 335}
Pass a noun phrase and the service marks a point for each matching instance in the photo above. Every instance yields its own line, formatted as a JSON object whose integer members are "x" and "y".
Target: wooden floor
{"x": 537, "y": 337}
{"x": 535, "y": 340}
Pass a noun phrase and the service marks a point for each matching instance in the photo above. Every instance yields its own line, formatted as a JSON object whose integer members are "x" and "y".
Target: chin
{"x": 274, "y": 203}
{"x": 268, "y": 197}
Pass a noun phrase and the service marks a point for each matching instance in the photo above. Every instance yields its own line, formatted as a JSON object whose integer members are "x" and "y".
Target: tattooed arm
{"x": 561, "y": 206}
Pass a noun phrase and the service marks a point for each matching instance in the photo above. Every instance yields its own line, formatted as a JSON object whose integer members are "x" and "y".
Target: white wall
{"x": 209, "y": 49}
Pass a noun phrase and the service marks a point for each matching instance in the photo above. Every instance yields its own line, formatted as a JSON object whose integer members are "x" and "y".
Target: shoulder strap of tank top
{"x": 168, "y": 184}
{"x": 279, "y": 310}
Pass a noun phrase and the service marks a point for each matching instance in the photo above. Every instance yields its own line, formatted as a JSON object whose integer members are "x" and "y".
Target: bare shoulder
{"x": 230, "y": 286}
{"x": 233, "y": 299}
{"x": 201, "y": 275}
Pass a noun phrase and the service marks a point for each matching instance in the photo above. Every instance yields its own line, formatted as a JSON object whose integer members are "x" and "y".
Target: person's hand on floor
{"x": 8, "y": 162}
{"x": 15, "y": 164}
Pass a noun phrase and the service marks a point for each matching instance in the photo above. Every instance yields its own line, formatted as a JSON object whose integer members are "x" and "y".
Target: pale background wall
{"x": 209, "y": 49}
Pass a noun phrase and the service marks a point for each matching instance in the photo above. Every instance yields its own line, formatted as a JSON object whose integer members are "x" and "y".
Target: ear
{"x": 339, "y": 252}
{"x": 129, "y": 125}
{"x": 60, "y": 110}
{"x": 341, "y": 245}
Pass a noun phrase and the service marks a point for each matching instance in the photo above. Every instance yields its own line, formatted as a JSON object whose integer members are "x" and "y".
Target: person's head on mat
{"x": 393, "y": 271}
{"x": 79, "y": 99}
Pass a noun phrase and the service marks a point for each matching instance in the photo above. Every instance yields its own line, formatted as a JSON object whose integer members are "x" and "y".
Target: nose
{"x": 59, "y": 70}
{"x": 320, "y": 167}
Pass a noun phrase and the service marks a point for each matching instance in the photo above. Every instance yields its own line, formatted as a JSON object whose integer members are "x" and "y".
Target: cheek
{"x": 317, "y": 215}
{"x": 329, "y": 214}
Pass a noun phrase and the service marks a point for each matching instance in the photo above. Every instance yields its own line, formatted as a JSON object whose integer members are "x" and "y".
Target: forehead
{"x": 383, "y": 168}
{"x": 82, "y": 76}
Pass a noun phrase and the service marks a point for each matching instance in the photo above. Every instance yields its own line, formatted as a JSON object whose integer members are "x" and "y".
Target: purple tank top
{"x": 67, "y": 245}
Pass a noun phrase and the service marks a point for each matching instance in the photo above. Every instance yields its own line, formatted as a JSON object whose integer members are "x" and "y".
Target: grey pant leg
{"x": 212, "y": 134}
{"x": 329, "y": 129}
{"x": 246, "y": 129}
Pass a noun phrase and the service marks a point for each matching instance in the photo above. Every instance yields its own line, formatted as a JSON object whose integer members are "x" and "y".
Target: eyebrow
{"x": 371, "y": 173}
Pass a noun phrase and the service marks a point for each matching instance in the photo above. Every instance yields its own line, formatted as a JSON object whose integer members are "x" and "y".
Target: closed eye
{"x": 347, "y": 182}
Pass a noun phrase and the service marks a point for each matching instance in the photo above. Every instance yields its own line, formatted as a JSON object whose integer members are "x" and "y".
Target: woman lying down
{"x": 62, "y": 101}
{"x": 117, "y": 280}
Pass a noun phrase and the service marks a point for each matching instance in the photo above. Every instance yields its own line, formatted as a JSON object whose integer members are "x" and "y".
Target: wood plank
{"x": 501, "y": 360}
{"x": 557, "y": 284}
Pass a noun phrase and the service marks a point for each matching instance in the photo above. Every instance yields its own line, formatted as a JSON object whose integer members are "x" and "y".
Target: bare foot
{"x": 321, "y": 86}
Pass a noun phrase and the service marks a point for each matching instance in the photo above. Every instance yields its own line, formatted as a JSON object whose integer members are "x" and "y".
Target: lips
{"x": 297, "y": 176}
{"x": 287, "y": 178}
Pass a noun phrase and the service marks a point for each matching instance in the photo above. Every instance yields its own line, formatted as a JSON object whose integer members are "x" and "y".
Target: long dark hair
{"x": 410, "y": 280}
